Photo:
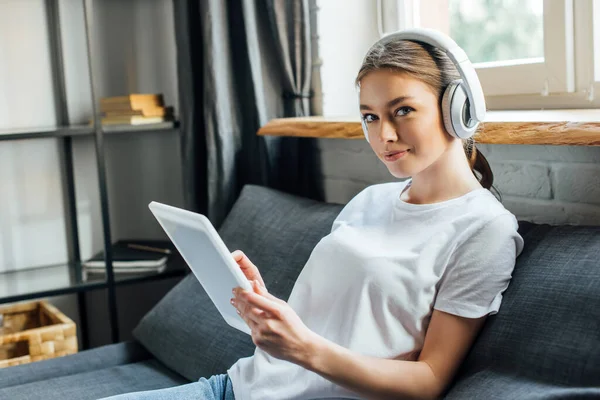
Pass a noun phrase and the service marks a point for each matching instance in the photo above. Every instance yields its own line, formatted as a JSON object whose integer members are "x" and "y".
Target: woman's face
{"x": 404, "y": 121}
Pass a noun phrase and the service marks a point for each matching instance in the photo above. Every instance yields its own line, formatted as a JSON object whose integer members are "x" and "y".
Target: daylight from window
{"x": 498, "y": 30}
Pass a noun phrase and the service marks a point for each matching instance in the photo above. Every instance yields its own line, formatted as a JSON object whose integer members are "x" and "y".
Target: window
{"x": 528, "y": 53}
{"x": 517, "y": 46}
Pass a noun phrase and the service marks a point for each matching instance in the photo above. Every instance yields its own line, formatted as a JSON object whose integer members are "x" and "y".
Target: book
{"x": 127, "y": 256}
{"x": 134, "y": 101}
{"x": 131, "y": 120}
{"x": 165, "y": 112}
{"x": 132, "y": 267}
{"x": 91, "y": 273}
{"x": 134, "y": 109}
{"x": 125, "y": 270}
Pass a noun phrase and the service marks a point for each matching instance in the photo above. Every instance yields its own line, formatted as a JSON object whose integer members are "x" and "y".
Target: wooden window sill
{"x": 547, "y": 127}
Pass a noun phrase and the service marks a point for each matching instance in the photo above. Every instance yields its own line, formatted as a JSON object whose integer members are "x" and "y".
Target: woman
{"x": 390, "y": 302}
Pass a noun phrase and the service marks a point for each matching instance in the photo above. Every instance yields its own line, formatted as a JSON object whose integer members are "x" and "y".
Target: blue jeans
{"x": 217, "y": 387}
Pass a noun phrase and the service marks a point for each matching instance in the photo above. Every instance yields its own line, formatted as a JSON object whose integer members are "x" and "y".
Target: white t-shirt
{"x": 371, "y": 284}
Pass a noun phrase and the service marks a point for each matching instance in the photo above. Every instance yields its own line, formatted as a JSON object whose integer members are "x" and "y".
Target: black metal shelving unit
{"x": 55, "y": 280}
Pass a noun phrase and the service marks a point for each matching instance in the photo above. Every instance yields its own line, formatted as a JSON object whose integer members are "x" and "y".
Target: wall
{"x": 545, "y": 184}
{"x": 340, "y": 62}
{"x": 25, "y": 75}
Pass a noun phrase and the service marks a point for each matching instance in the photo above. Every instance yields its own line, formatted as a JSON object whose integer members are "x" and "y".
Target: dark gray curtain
{"x": 242, "y": 63}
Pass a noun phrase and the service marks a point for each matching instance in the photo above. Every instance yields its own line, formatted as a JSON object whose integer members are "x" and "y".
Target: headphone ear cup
{"x": 454, "y": 104}
{"x": 446, "y": 108}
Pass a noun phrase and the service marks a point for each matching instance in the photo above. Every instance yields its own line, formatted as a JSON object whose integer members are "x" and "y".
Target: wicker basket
{"x": 34, "y": 331}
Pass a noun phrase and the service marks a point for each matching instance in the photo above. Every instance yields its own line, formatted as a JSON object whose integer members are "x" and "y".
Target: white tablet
{"x": 207, "y": 256}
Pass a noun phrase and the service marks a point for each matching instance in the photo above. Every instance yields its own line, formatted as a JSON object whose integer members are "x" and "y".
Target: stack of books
{"x": 135, "y": 109}
{"x": 131, "y": 257}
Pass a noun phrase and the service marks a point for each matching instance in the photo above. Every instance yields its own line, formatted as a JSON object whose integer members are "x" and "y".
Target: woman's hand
{"x": 276, "y": 328}
{"x": 247, "y": 267}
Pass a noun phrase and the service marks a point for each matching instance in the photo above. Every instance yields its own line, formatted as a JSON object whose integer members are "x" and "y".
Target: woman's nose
{"x": 388, "y": 132}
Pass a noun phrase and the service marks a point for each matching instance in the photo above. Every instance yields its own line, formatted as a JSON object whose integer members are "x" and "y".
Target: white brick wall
{"x": 542, "y": 184}
{"x": 523, "y": 178}
{"x": 571, "y": 187}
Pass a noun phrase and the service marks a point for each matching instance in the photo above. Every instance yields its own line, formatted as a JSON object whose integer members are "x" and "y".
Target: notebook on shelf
{"x": 126, "y": 270}
{"x": 133, "y": 256}
{"x": 89, "y": 274}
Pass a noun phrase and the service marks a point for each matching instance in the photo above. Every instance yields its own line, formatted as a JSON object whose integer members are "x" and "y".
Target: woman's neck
{"x": 449, "y": 177}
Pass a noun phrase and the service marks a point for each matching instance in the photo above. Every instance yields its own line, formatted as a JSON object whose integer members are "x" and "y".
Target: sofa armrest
{"x": 89, "y": 360}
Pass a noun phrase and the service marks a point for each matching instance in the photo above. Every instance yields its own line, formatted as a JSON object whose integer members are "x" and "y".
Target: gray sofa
{"x": 543, "y": 344}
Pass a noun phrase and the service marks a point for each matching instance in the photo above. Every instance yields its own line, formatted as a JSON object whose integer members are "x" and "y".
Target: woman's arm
{"x": 447, "y": 341}
{"x": 279, "y": 331}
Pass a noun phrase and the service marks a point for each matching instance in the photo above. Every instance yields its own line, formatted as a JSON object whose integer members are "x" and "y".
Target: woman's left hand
{"x": 275, "y": 326}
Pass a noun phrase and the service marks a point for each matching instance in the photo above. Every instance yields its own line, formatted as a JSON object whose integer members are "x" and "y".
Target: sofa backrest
{"x": 545, "y": 340}
{"x": 277, "y": 231}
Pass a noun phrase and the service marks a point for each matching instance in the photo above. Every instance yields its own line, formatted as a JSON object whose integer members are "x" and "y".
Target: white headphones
{"x": 459, "y": 121}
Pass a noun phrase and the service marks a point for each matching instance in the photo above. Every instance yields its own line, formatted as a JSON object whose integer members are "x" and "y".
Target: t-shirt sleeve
{"x": 480, "y": 270}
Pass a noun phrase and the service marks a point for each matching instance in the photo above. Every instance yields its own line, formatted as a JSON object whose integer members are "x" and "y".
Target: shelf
{"x": 41, "y": 282}
{"x": 45, "y": 132}
{"x": 58, "y": 280}
{"x": 81, "y": 130}
{"x": 547, "y": 127}
{"x": 163, "y": 126}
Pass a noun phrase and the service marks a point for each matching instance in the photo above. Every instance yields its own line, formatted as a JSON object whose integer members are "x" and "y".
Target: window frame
{"x": 587, "y": 85}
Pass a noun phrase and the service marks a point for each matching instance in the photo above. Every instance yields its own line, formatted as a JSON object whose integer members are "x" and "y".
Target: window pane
{"x": 498, "y": 30}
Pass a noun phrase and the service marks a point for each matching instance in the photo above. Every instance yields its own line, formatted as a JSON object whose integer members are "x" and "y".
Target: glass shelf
{"x": 162, "y": 126}
{"x": 45, "y": 132}
{"x": 40, "y": 282}
{"x": 80, "y": 130}
{"x": 58, "y": 280}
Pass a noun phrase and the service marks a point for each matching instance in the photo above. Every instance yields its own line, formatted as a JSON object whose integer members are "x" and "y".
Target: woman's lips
{"x": 395, "y": 155}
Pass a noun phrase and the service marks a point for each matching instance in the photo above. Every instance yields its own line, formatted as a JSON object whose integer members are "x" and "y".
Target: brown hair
{"x": 433, "y": 67}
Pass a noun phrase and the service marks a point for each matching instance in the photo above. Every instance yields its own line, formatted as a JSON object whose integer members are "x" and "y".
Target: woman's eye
{"x": 404, "y": 110}
{"x": 369, "y": 118}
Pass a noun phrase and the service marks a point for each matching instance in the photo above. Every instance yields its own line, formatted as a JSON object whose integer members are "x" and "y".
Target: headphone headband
{"x": 437, "y": 39}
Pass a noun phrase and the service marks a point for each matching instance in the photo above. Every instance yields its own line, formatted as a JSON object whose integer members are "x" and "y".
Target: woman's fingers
{"x": 260, "y": 289}
{"x": 247, "y": 267}
{"x": 250, "y": 320}
{"x": 258, "y": 297}
{"x": 251, "y": 315}
{"x": 240, "y": 307}
{"x": 259, "y": 301}
{"x": 256, "y": 315}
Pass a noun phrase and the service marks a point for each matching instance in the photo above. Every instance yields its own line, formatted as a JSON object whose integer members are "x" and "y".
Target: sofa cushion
{"x": 491, "y": 385}
{"x": 144, "y": 375}
{"x": 548, "y": 328}
{"x": 278, "y": 232}
{"x": 84, "y": 361}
